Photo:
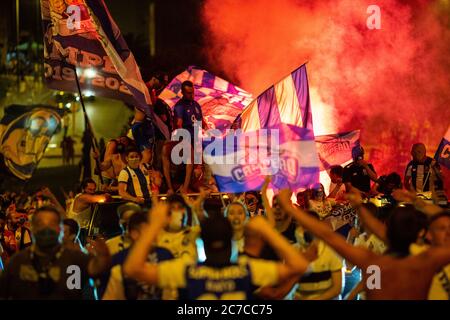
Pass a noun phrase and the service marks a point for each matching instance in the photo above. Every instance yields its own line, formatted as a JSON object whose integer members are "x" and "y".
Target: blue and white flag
{"x": 240, "y": 161}
{"x": 83, "y": 36}
{"x": 220, "y": 100}
{"x": 286, "y": 102}
{"x": 443, "y": 152}
{"x": 336, "y": 149}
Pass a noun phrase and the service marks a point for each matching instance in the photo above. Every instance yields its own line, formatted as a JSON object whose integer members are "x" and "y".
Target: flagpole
{"x": 88, "y": 124}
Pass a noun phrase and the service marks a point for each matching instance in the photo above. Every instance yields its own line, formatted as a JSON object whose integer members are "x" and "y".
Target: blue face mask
{"x": 46, "y": 238}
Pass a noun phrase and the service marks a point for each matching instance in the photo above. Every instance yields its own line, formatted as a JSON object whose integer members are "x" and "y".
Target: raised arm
{"x": 370, "y": 222}
{"x": 136, "y": 265}
{"x": 359, "y": 256}
{"x": 197, "y": 204}
{"x": 267, "y": 208}
{"x": 411, "y": 197}
{"x": 295, "y": 264}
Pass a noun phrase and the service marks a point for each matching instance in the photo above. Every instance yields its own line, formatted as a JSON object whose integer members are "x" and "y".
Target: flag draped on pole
{"x": 286, "y": 102}
{"x": 220, "y": 100}
{"x": 25, "y": 132}
{"x": 240, "y": 162}
{"x": 443, "y": 152}
{"x": 83, "y": 36}
{"x": 336, "y": 149}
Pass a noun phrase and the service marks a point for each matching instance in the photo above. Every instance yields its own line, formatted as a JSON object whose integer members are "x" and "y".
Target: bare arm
{"x": 278, "y": 292}
{"x": 101, "y": 259}
{"x": 355, "y": 291}
{"x": 136, "y": 265}
{"x": 359, "y": 256}
{"x": 373, "y": 224}
{"x": 295, "y": 264}
{"x": 411, "y": 197}
{"x": 126, "y": 196}
{"x": 267, "y": 208}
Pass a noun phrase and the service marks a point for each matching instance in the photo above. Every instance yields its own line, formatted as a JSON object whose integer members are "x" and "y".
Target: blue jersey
{"x": 230, "y": 282}
{"x": 189, "y": 111}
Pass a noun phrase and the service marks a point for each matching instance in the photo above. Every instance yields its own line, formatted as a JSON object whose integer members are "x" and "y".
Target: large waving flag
{"x": 220, "y": 100}
{"x": 336, "y": 149}
{"x": 25, "y": 132}
{"x": 286, "y": 102}
{"x": 240, "y": 162}
{"x": 443, "y": 152}
{"x": 83, "y": 36}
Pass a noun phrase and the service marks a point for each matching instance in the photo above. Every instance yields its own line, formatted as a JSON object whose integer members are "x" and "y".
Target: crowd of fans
{"x": 326, "y": 245}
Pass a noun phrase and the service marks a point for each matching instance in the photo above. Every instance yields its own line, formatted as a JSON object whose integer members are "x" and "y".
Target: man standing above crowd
{"x": 359, "y": 173}
{"x": 422, "y": 172}
{"x": 186, "y": 112}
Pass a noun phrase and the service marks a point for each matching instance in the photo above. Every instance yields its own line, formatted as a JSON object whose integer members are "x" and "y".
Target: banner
{"x": 24, "y": 135}
{"x": 286, "y": 102}
{"x": 83, "y": 35}
{"x": 240, "y": 161}
{"x": 336, "y": 149}
{"x": 442, "y": 155}
{"x": 220, "y": 100}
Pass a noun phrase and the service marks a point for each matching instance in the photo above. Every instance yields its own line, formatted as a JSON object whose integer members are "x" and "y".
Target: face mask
{"x": 134, "y": 162}
{"x": 47, "y": 238}
{"x": 176, "y": 220}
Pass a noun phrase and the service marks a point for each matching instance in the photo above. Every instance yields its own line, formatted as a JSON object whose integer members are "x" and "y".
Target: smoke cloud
{"x": 392, "y": 83}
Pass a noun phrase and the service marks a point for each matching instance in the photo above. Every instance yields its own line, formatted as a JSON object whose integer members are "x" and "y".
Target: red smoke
{"x": 393, "y": 83}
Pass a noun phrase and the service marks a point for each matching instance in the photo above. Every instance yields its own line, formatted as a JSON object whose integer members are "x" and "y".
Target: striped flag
{"x": 286, "y": 102}
{"x": 83, "y": 36}
{"x": 240, "y": 162}
{"x": 443, "y": 152}
{"x": 220, "y": 100}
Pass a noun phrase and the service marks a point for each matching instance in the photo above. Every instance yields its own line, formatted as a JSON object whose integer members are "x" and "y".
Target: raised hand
{"x": 354, "y": 196}
{"x": 404, "y": 195}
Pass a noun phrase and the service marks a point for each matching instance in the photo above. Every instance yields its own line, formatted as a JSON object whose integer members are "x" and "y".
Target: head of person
{"x": 217, "y": 233}
{"x": 179, "y": 213}
{"x": 318, "y": 192}
{"x": 280, "y": 215}
{"x": 187, "y": 89}
{"x": 392, "y": 182}
{"x": 133, "y": 157}
{"x": 419, "y": 152}
{"x": 125, "y": 212}
{"x": 122, "y": 143}
{"x": 15, "y": 219}
{"x": 237, "y": 214}
{"x": 137, "y": 221}
{"x": 438, "y": 233}
{"x": 357, "y": 153}
{"x": 303, "y": 236}
{"x": 404, "y": 227}
{"x": 251, "y": 201}
{"x": 88, "y": 186}
{"x": 71, "y": 231}
{"x": 46, "y": 228}
{"x": 302, "y": 199}
{"x": 336, "y": 173}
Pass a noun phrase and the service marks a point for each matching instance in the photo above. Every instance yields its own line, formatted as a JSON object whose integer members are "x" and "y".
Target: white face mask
{"x": 176, "y": 220}
{"x": 134, "y": 162}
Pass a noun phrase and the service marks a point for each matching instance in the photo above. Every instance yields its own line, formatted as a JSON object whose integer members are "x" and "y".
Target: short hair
{"x": 46, "y": 209}
{"x": 136, "y": 220}
{"x": 74, "y": 227}
{"x": 131, "y": 149}
{"x": 187, "y": 83}
{"x": 403, "y": 227}
{"x": 239, "y": 203}
{"x": 418, "y": 144}
{"x": 337, "y": 170}
{"x": 216, "y": 233}
{"x": 86, "y": 181}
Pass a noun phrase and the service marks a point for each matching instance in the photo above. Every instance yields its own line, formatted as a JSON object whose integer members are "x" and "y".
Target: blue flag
{"x": 442, "y": 155}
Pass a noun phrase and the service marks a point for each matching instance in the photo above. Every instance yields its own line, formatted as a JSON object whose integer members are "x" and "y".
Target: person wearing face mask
{"x": 319, "y": 203}
{"x": 182, "y": 231}
{"x": 47, "y": 270}
{"x": 134, "y": 179}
